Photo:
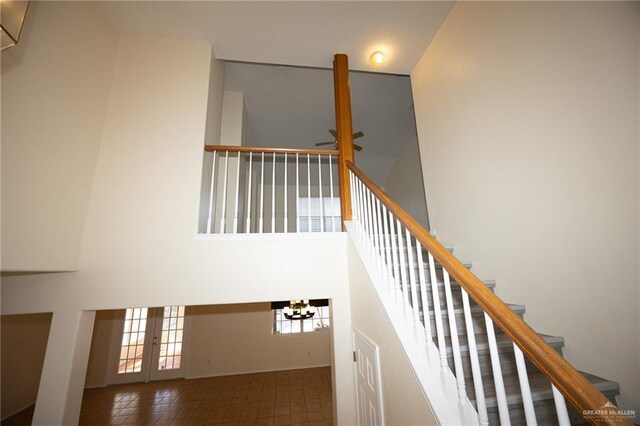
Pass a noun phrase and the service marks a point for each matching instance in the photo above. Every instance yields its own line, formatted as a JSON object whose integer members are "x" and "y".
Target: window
{"x": 171, "y": 340}
{"x": 319, "y": 322}
{"x": 151, "y": 340}
{"x": 326, "y": 212}
{"x": 132, "y": 347}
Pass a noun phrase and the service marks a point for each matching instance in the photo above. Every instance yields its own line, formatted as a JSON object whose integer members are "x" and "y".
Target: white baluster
{"x": 414, "y": 287}
{"x": 286, "y": 189}
{"x": 363, "y": 215}
{"x": 297, "y": 195}
{"x": 483, "y": 417}
{"x": 503, "y": 407}
{"x": 396, "y": 261}
{"x": 437, "y": 313}
{"x": 333, "y": 222}
{"x": 354, "y": 197}
{"x": 248, "y": 225}
{"x": 261, "y": 220}
{"x": 309, "y": 191}
{"x": 372, "y": 229}
{"x": 387, "y": 244}
{"x": 224, "y": 195}
{"x": 403, "y": 269}
{"x": 321, "y": 200}
{"x": 236, "y": 216}
{"x": 423, "y": 293}
{"x": 211, "y": 191}
{"x": 376, "y": 231}
{"x": 381, "y": 239}
{"x": 369, "y": 222}
{"x": 527, "y": 400}
{"x": 453, "y": 328}
{"x": 561, "y": 407}
{"x": 273, "y": 195}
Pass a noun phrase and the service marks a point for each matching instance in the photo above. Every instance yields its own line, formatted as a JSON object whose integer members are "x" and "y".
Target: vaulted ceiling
{"x": 305, "y": 33}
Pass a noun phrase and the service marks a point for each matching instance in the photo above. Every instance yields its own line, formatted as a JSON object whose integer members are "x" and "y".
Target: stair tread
{"x": 502, "y": 341}
{"x": 488, "y": 283}
{"x": 475, "y": 309}
{"x": 540, "y": 388}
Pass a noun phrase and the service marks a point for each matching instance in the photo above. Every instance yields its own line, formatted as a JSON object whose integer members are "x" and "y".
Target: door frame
{"x": 376, "y": 350}
{"x": 144, "y": 376}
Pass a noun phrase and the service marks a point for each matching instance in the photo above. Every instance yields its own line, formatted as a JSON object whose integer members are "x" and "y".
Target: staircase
{"x": 540, "y": 385}
{"x": 476, "y": 359}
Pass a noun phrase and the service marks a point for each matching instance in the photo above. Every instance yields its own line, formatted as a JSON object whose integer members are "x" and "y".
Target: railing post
{"x": 344, "y": 130}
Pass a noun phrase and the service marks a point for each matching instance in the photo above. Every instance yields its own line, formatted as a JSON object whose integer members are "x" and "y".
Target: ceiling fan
{"x": 334, "y": 142}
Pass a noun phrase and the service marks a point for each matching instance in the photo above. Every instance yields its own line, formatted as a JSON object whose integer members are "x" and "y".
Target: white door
{"x": 147, "y": 345}
{"x": 368, "y": 386}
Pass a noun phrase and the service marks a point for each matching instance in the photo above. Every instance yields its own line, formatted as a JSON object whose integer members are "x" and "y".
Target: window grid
{"x": 319, "y": 322}
{"x": 132, "y": 347}
{"x": 171, "y": 340}
{"x": 319, "y": 210}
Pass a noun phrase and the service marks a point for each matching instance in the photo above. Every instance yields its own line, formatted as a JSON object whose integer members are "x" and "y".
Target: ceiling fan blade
{"x": 357, "y": 147}
{"x": 333, "y": 133}
{"x": 358, "y": 135}
{"x": 325, "y": 143}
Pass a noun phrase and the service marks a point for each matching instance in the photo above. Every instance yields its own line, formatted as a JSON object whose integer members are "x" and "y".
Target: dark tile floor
{"x": 294, "y": 397}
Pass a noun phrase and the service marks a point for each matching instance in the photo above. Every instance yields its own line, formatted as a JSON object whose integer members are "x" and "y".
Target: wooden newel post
{"x": 344, "y": 129}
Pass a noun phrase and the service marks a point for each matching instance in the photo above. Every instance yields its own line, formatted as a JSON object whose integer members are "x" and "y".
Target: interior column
{"x": 65, "y": 367}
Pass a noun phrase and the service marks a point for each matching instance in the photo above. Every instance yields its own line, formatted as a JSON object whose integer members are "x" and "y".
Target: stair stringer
{"x": 438, "y": 384}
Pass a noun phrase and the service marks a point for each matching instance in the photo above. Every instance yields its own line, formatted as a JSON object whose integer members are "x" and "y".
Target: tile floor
{"x": 295, "y": 397}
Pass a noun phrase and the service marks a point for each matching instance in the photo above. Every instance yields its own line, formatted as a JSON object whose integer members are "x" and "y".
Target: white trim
{"x": 271, "y": 237}
{"x": 234, "y": 373}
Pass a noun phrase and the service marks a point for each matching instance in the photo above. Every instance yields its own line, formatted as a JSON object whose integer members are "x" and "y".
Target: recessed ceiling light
{"x": 376, "y": 58}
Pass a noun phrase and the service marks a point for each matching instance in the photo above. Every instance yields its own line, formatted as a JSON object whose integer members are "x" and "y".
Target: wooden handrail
{"x": 569, "y": 381}
{"x": 259, "y": 149}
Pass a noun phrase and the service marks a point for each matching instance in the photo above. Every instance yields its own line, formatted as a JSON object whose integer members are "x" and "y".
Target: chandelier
{"x": 299, "y": 309}
{"x": 12, "y": 13}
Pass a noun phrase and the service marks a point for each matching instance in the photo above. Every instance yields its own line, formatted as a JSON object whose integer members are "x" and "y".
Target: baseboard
{"x": 254, "y": 372}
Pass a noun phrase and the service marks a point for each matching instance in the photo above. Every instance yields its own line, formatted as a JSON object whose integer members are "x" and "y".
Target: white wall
{"x": 56, "y": 85}
{"x": 24, "y": 341}
{"x": 138, "y": 248}
{"x": 527, "y": 117}
{"x": 237, "y": 339}
{"x": 212, "y": 134}
{"x": 403, "y": 400}
{"x": 405, "y": 183}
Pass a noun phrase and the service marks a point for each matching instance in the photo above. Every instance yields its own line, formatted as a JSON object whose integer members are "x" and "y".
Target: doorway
{"x": 147, "y": 344}
{"x": 368, "y": 385}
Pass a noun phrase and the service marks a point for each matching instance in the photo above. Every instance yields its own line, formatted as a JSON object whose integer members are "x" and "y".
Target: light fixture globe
{"x": 377, "y": 58}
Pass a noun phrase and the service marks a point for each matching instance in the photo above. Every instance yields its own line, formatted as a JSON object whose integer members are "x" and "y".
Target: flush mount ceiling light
{"x": 12, "y": 13}
{"x": 377, "y": 58}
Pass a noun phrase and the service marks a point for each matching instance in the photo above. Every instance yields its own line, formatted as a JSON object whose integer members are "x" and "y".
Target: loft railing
{"x": 395, "y": 241}
{"x": 271, "y": 190}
